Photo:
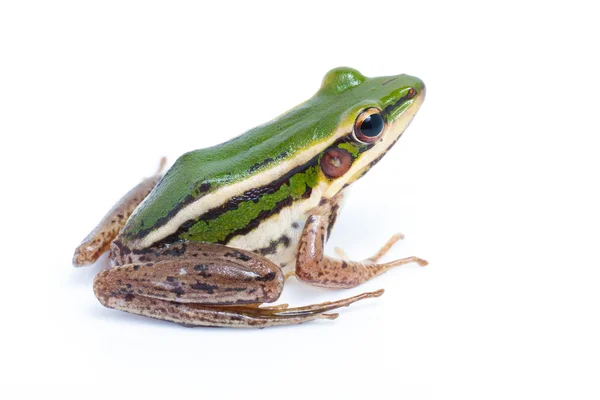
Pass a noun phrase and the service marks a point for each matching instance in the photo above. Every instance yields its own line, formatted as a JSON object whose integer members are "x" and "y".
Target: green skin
{"x": 271, "y": 195}
{"x": 343, "y": 93}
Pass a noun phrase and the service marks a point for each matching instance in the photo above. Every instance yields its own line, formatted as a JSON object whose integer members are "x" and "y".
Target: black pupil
{"x": 372, "y": 125}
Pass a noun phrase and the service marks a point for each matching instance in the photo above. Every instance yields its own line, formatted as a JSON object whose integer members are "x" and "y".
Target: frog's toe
{"x": 386, "y": 247}
{"x": 341, "y": 253}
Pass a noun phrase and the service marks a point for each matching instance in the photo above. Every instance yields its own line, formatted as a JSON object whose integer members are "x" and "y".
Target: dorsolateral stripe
{"x": 245, "y": 212}
{"x": 218, "y": 197}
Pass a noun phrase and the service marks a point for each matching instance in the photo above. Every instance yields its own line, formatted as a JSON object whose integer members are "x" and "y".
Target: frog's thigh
{"x": 190, "y": 290}
{"x": 315, "y": 268}
{"x": 211, "y": 285}
{"x": 99, "y": 239}
{"x": 190, "y": 280}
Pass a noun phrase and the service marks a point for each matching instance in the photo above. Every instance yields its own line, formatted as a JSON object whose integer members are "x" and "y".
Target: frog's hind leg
{"x": 99, "y": 239}
{"x": 211, "y": 285}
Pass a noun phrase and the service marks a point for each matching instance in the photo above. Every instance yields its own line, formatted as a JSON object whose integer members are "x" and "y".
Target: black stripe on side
{"x": 253, "y": 195}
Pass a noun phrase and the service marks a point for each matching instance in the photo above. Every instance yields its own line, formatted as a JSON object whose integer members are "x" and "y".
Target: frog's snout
{"x": 423, "y": 90}
{"x": 419, "y": 86}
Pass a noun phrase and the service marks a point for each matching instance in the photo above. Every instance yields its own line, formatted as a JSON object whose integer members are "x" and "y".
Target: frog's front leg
{"x": 202, "y": 284}
{"x": 315, "y": 268}
{"x": 100, "y": 238}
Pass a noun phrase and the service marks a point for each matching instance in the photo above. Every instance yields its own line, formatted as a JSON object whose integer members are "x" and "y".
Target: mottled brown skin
{"x": 98, "y": 240}
{"x": 192, "y": 314}
{"x": 315, "y": 268}
{"x": 205, "y": 284}
{"x": 222, "y": 277}
{"x": 193, "y": 284}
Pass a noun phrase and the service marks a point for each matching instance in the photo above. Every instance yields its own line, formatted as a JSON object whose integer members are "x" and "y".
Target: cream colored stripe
{"x": 224, "y": 194}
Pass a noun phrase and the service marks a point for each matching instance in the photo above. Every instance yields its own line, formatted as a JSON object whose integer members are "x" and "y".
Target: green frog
{"x": 215, "y": 237}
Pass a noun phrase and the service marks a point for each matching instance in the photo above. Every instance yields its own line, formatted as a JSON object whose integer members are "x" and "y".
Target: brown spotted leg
{"x": 99, "y": 239}
{"x": 382, "y": 251}
{"x": 313, "y": 267}
{"x": 206, "y": 285}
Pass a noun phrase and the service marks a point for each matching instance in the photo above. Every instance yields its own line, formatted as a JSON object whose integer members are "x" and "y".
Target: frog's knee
{"x": 101, "y": 289}
{"x": 305, "y": 272}
{"x": 272, "y": 284}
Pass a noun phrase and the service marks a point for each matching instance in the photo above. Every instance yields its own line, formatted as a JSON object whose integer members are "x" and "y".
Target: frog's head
{"x": 373, "y": 114}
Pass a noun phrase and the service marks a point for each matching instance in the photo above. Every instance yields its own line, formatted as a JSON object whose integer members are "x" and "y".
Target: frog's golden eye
{"x": 369, "y": 125}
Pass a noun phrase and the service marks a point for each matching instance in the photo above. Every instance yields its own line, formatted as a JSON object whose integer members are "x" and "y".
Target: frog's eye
{"x": 369, "y": 126}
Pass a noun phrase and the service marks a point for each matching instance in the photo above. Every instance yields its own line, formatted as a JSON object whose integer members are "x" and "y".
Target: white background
{"x": 495, "y": 183}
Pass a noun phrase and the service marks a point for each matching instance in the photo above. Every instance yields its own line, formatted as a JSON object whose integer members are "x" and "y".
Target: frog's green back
{"x": 199, "y": 172}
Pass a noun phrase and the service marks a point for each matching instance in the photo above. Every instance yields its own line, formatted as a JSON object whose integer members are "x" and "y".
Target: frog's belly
{"x": 277, "y": 237}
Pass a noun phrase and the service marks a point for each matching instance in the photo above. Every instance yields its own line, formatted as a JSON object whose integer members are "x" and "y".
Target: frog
{"x": 212, "y": 241}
